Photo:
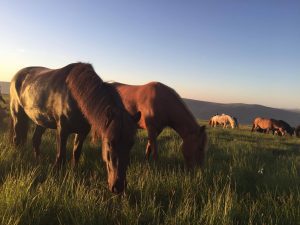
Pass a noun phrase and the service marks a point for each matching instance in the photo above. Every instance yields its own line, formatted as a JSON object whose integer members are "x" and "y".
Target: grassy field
{"x": 248, "y": 179}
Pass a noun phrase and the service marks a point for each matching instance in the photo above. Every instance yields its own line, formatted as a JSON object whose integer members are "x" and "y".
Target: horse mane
{"x": 93, "y": 96}
{"x": 184, "y": 106}
{"x": 231, "y": 120}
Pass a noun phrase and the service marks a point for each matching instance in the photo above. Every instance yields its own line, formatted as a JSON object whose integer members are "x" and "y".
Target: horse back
{"x": 44, "y": 96}
{"x": 158, "y": 103}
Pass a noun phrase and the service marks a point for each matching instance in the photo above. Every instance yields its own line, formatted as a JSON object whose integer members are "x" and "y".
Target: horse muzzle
{"x": 118, "y": 186}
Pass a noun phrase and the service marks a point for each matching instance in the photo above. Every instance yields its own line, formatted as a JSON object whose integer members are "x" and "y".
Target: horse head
{"x": 194, "y": 147}
{"x": 117, "y": 140}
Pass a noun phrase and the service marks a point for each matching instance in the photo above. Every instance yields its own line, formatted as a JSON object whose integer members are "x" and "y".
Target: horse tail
{"x": 19, "y": 126}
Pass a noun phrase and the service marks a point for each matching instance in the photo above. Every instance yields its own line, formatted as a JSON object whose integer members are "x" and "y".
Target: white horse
{"x": 223, "y": 120}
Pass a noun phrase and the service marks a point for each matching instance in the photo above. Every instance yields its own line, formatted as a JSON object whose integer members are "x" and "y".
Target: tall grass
{"x": 249, "y": 178}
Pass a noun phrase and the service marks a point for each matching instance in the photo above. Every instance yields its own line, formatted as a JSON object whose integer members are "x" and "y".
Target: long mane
{"x": 92, "y": 95}
{"x": 183, "y": 104}
{"x": 231, "y": 121}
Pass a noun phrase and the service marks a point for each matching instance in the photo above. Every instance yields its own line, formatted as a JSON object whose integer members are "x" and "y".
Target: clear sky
{"x": 222, "y": 51}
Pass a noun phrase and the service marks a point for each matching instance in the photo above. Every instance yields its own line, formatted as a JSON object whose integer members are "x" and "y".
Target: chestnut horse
{"x": 73, "y": 99}
{"x": 161, "y": 106}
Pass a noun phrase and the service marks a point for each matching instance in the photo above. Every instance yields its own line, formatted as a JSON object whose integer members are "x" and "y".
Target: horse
{"x": 1, "y": 98}
{"x": 3, "y": 115}
{"x": 268, "y": 125}
{"x": 213, "y": 121}
{"x": 73, "y": 99}
{"x": 286, "y": 128}
{"x": 162, "y": 107}
{"x": 297, "y": 131}
{"x": 236, "y": 122}
{"x": 223, "y": 120}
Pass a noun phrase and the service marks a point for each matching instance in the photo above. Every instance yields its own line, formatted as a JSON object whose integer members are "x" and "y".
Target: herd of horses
{"x": 74, "y": 99}
{"x": 262, "y": 125}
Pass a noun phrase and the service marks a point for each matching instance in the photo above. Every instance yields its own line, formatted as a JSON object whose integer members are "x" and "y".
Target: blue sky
{"x": 221, "y": 51}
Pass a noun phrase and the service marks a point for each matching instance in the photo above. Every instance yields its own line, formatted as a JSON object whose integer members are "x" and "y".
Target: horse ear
{"x": 136, "y": 118}
{"x": 109, "y": 116}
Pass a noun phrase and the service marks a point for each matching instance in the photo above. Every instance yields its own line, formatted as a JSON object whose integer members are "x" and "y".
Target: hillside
{"x": 244, "y": 112}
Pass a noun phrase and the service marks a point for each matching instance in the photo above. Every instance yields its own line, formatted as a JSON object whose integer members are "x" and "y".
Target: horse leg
{"x": 78, "y": 142}
{"x": 152, "y": 144}
{"x": 61, "y": 139}
{"x": 36, "y": 140}
{"x": 19, "y": 124}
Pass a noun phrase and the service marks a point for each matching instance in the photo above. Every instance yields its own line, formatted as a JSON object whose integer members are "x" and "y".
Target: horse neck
{"x": 183, "y": 122}
{"x": 231, "y": 121}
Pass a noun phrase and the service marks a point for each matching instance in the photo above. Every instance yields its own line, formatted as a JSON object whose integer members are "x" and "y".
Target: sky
{"x": 221, "y": 51}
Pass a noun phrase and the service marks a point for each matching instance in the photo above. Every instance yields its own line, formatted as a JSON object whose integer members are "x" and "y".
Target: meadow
{"x": 248, "y": 178}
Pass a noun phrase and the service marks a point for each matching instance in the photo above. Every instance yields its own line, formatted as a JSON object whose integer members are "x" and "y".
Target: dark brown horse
{"x": 161, "y": 106}
{"x": 74, "y": 99}
{"x": 286, "y": 128}
{"x": 1, "y": 97}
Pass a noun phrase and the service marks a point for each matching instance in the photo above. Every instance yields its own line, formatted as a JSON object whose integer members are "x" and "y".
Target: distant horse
{"x": 73, "y": 99}
{"x": 286, "y": 128}
{"x": 268, "y": 125}
{"x": 1, "y": 98}
{"x": 223, "y": 120}
{"x": 161, "y": 106}
{"x": 297, "y": 131}
{"x": 3, "y": 114}
{"x": 236, "y": 122}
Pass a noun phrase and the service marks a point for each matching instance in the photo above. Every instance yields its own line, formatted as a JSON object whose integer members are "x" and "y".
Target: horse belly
{"x": 43, "y": 119}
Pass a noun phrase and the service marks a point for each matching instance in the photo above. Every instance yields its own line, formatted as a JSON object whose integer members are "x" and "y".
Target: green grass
{"x": 248, "y": 179}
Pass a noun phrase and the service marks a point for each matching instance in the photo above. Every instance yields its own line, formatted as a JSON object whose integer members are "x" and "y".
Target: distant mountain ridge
{"x": 244, "y": 112}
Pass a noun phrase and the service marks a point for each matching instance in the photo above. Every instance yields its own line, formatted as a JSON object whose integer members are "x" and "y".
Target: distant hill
{"x": 4, "y": 87}
{"x": 244, "y": 112}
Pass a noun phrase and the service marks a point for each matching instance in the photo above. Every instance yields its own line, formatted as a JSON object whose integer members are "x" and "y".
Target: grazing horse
{"x": 223, "y": 120}
{"x": 161, "y": 106}
{"x": 1, "y": 97}
{"x": 3, "y": 114}
{"x": 73, "y": 99}
{"x": 236, "y": 122}
{"x": 297, "y": 131}
{"x": 286, "y": 128}
{"x": 266, "y": 125}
